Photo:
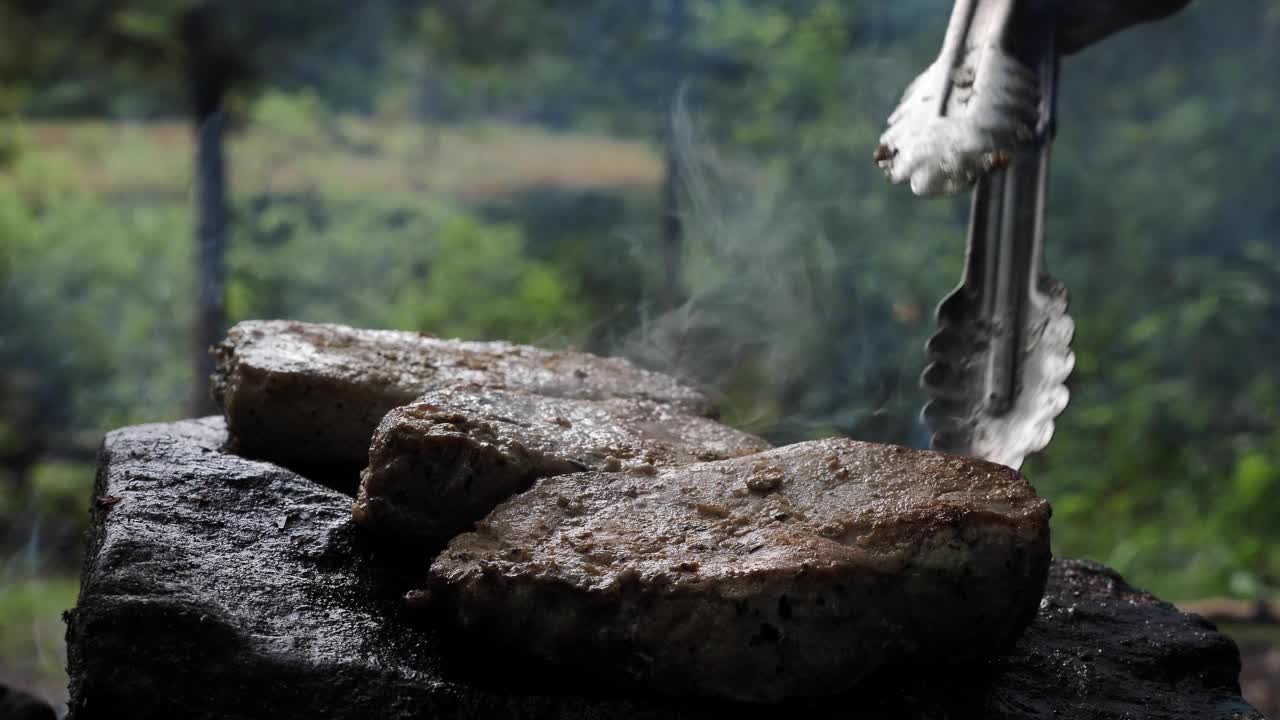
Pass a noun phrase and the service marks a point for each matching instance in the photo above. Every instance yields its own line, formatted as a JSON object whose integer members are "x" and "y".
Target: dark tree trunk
{"x": 27, "y": 438}
{"x": 17, "y": 470}
{"x": 211, "y": 244}
{"x": 210, "y": 74}
{"x": 671, "y": 234}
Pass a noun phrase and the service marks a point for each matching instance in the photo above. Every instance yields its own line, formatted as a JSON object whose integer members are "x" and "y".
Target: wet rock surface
{"x": 219, "y": 587}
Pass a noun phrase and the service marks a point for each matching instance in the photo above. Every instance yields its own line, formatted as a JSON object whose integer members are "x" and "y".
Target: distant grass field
{"x": 354, "y": 155}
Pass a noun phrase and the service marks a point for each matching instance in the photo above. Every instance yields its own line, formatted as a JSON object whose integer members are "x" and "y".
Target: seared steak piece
{"x": 794, "y": 572}
{"x": 440, "y": 464}
{"x": 304, "y": 393}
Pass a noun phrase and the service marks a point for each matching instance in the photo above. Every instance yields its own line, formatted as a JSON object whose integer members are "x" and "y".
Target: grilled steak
{"x": 794, "y": 572}
{"x": 440, "y": 464}
{"x": 298, "y": 392}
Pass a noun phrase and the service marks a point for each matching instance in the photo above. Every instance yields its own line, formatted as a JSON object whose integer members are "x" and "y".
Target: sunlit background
{"x": 685, "y": 182}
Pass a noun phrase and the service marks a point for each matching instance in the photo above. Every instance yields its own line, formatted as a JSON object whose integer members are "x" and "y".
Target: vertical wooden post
{"x": 209, "y": 77}
{"x": 671, "y": 233}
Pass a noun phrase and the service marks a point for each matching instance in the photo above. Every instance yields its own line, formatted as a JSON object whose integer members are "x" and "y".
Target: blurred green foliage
{"x": 807, "y": 282}
{"x": 31, "y": 644}
{"x": 398, "y": 263}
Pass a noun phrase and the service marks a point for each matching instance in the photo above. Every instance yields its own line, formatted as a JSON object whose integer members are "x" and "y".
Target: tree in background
{"x": 214, "y": 67}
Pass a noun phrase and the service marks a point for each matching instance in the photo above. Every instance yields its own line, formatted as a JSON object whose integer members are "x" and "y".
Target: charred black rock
{"x": 219, "y": 587}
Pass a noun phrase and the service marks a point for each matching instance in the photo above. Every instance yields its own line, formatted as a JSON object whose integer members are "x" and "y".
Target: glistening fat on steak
{"x": 794, "y": 572}
{"x": 300, "y": 392}
{"x": 440, "y": 464}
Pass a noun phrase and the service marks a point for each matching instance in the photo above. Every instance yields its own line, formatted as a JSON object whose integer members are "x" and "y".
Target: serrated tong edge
{"x": 998, "y": 364}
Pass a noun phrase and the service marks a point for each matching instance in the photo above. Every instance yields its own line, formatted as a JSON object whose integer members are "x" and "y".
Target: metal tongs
{"x": 1001, "y": 355}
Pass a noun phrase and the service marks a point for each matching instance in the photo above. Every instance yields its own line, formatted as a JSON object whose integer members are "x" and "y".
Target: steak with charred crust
{"x": 440, "y": 464}
{"x": 794, "y": 572}
{"x": 298, "y": 392}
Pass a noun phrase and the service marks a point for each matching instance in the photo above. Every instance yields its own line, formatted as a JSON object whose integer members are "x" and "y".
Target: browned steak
{"x": 440, "y": 464}
{"x": 299, "y": 392}
{"x": 794, "y": 572}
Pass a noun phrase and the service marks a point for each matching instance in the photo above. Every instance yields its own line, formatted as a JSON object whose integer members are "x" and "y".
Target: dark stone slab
{"x": 219, "y": 587}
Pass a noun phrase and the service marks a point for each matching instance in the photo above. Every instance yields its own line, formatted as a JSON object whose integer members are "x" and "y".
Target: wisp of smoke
{"x": 761, "y": 280}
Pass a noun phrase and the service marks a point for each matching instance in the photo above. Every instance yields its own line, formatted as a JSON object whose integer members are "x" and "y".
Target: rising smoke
{"x": 769, "y": 301}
